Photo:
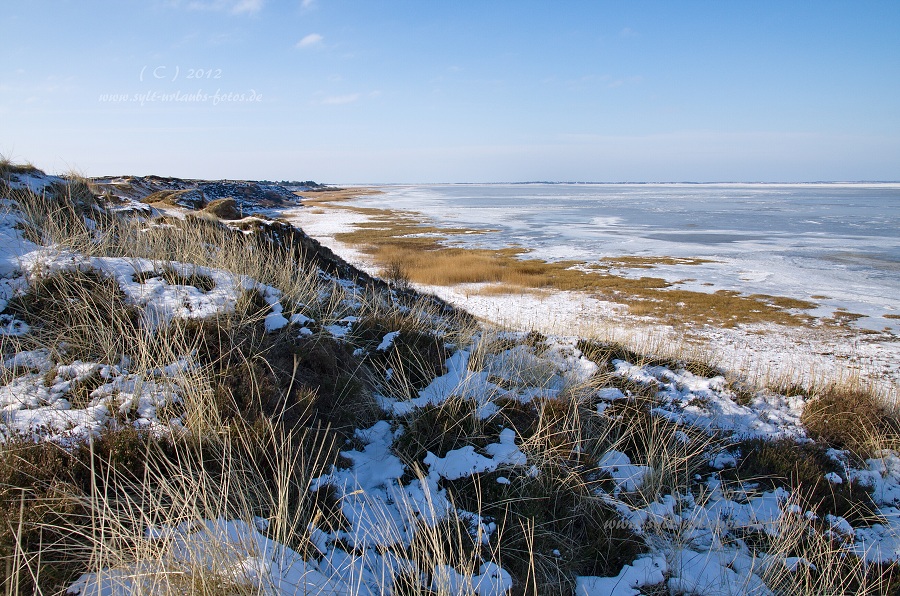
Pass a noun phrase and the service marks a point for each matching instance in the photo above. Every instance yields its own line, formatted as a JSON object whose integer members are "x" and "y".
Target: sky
{"x": 465, "y": 91}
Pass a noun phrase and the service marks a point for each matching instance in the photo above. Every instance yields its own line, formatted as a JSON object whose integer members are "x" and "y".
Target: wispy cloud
{"x": 632, "y": 80}
{"x": 310, "y": 41}
{"x": 628, "y": 32}
{"x": 339, "y": 100}
{"x": 593, "y": 81}
{"x": 232, "y": 6}
{"x": 307, "y": 3}
{"x": 248, "y": 6}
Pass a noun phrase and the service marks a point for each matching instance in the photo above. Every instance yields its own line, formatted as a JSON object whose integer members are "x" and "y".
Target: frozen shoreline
{"x": 763, "y": 353}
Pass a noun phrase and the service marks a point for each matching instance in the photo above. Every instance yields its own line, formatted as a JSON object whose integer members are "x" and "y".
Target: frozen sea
{"x": 835, "y": 244}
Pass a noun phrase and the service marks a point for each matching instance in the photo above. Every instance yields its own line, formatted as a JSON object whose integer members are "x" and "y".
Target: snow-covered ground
{"x": 764, "y": 353}
{"x": 693, "y": 544}
{"x": 836, "y": 245}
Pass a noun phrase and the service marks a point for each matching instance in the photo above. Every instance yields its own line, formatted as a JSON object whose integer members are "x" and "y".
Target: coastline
{"x": 770, "y": 353}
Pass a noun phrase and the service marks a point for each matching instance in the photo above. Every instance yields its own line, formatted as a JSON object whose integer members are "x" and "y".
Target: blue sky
{"x": 468, "y": 91}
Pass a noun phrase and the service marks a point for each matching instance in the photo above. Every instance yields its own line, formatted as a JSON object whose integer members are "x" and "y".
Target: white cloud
{"x": 632, "y": 80}
{"x": 232, "y": 6}
{"x": 307, "y": 3}
{"x": 248, "y": 6}
{"x": 339, "y": 100}
{"x": 628, "y": 32}
{"x": 311, "y": 40}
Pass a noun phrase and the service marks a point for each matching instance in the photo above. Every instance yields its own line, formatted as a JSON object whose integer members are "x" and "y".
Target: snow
{"x": 694, "y": 538}
{"x": 626, "y": 476}
{"x": 645, "y": 571}
{"x": 382, "y": 513}
{"x": 610, "y": 393}
{"x": 11, "y": 326}
{"x": 387, "y": 341}
{"x": 706, "y": 403}
{"x": 300, "y": 319}
{"x": 723, "y": 459}
{"x": 463, "y": 462}
{"x": 230, "y": 549}
{"x": 458, "y": 381}
{"x": 833, "y": 478}
{"x": 882, "y": 476}
{"x": 36, "y": 183}
{"x": 491, "y": 579}
{"x": 159, "y": 300}
{"x": 714, "y": 573}
{"x": 341, "y": 328}
{"x": 29, "y": 407}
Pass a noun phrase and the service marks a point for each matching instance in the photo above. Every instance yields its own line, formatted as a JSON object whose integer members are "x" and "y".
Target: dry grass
{"x": 425, "y": 251}
{"x": 396, "y": 274}
{"x": 245, "y": 452}
{"x": 8, "y": 167}
{"x": 853, "y": 419}
{"x": 89, "y": 510}
{"x": 551, "y": 526}
{"x": 226, "y": 208}
{"x": 169, "y": 198}
{"x": 58, "y": 219}
{"x": 78, "y": 316}
{"x": 822, "y": 565}
{"x": 172, "y": 276}
{"x": 638, "y": 262}
{"x": 265, "y": 413}
{"x": 334, "y": 195}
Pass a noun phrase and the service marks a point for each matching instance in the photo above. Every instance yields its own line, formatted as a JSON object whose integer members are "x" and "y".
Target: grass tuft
{"x": 801, "y": 468}
{"x": 852, "y": 419}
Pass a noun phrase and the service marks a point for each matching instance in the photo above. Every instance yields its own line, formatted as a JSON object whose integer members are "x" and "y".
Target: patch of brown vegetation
{"x": 639, "y": 262}
{"x": 100, "y": 329}
{"x": 850, "y": 419}
{"x": 425, "y": 251}
{"x": 224, "y": 209}
{"x": 7, "y": 168}
{"x": 192, "y": 198}
{"x": 334, "y": 195}
{"x": 802, "y": 469}
{"x": 296, "y": 382}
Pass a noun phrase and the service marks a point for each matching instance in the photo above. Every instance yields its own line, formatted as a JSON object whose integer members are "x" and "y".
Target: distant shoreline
{"x": 627, "y": 183}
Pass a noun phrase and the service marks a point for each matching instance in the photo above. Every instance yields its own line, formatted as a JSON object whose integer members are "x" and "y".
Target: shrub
{"x": 45, "y": 521}
{"x": 396, "y": 274}
{"x": 296, "y": 382}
